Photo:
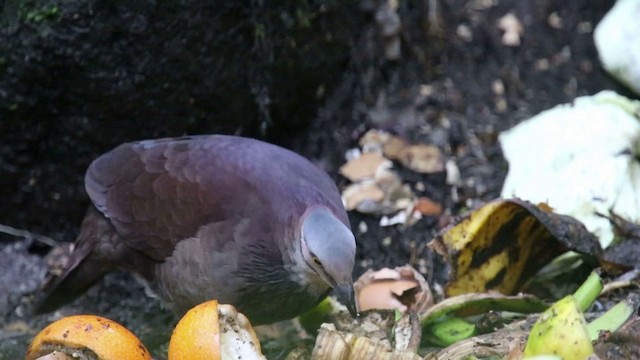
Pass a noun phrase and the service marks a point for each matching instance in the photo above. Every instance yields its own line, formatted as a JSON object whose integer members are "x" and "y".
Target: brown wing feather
{"x": 155, "y": 193}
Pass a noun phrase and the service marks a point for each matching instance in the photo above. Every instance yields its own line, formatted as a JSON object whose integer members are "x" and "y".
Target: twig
{"x": 27, "y": 235}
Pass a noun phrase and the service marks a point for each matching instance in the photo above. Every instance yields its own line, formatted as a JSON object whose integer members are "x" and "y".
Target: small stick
{"x": 27, "y": 235}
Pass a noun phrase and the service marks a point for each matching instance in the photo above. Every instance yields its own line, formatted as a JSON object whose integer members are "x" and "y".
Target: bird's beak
{"x": 346, "y": 296}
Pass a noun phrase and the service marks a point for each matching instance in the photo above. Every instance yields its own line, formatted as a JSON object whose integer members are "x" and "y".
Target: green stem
{"x": 589, "y": 291}
{"x": 611, "y": 320}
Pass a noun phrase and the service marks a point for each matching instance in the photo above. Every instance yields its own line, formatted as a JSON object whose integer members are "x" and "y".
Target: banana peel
{"x": 613, "y": 319}
{"x": 375, "y": 335}
{"x": 332, "y": 344}
{"x": 561, "y": 330}
{"x": 449, "y": 331}
{"x": 444, "y": 324}
{"x": 502, "y": 244}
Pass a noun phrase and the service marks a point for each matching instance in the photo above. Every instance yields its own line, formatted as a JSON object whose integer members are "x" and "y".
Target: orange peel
{"x": 105, "y": 338}
{"x": 197, "y": 335}
{"x": 212, "y": 331}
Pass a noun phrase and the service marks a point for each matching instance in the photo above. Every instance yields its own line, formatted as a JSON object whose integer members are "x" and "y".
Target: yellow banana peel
{"x": 561, "y": 331}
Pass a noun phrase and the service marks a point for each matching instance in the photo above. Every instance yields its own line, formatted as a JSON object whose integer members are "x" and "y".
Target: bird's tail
{"x": 83, "y": 269}
{"x": 79, "y": 275}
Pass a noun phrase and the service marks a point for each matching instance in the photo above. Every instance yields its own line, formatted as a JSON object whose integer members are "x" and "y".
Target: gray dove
{"x": 213, "y": 217}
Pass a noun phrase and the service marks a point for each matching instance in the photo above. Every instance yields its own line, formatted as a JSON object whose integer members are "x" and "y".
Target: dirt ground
{"x": 455, "y": 85}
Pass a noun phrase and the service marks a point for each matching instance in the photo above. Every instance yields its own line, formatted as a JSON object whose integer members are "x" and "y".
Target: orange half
{"x": 197, "y": 335}
{"x": 106, "y": 338}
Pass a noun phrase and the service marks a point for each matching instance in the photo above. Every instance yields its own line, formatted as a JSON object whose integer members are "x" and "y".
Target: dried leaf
{"x": 480, "y": 303}
{"x": 497, "y": 344}
{"x": 332, "y": 344}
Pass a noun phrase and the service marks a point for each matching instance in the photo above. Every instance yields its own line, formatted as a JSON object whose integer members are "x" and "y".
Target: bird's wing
{"x": 158, "y": 192}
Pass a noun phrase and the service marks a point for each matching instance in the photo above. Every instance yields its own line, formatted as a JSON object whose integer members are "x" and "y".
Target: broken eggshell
{"x": 422, "y": 158}
{"x": 364, "y": 166}
{"x": 377, "y": 189}
{"x": 385, "y": 194}
{"x": 374, "y": 140}
{"x": 390, "y": 145}
{"x": 402, "y": 288}
{"x": 363, "y": 196}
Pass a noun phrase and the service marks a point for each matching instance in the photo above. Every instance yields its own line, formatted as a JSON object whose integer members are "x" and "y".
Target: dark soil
{"x": 94, "y": 74}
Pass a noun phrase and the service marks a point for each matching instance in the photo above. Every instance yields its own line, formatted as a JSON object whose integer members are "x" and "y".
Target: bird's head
{"x": 329, "y": 248}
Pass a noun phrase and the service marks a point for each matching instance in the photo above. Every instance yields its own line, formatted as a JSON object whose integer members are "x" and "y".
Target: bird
{"x": 207, "y": 217}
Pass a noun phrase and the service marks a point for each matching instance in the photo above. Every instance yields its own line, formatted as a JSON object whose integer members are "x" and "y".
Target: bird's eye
{"x": 315, "y": 259}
